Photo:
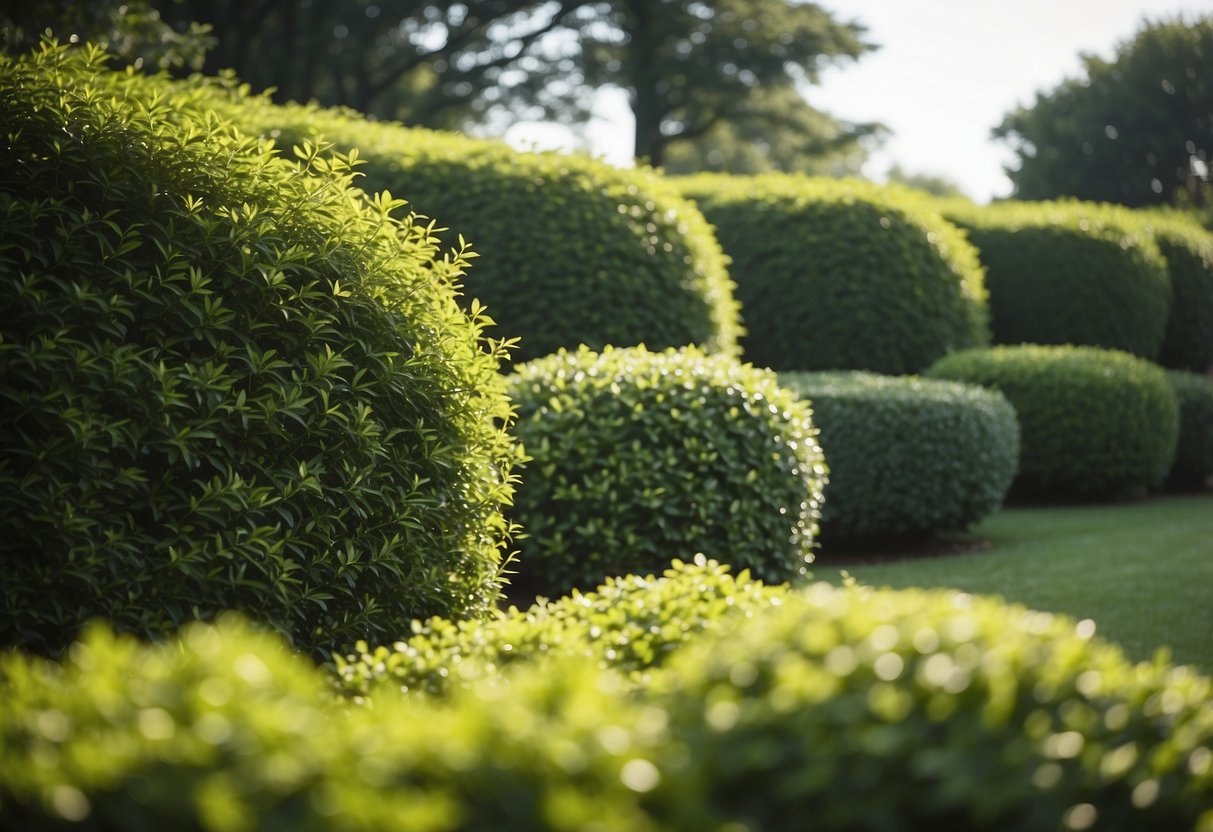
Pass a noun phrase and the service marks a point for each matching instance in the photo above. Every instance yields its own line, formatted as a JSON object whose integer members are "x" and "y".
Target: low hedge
{"x": 227, "y": 381}
{"x": 1093, "y": 423}
{"x": 640, "y": 456}
{"x": 908, "y": 457}
{"x": 1070, "y": 273}
{"x": 858, "y": 708}
{"x": 1193, "y": 465}
{"x": 1188, "y": 248}
{"x": 573, "y": 251}
{"x": 842, "y": 274}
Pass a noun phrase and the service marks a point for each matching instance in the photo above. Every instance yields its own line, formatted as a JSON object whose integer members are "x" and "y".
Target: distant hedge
{"x": 907, "y": 456}
{"x": 1094, "y": 423}
{"x": 227, "y": 381}
{"x": 1193, "y": 466}
{"x": 1188, "y": 249}
{"x": 1070, "y": 273}
{"x": 843, "y": 275}
{"x": 573, "y": 251}
{"x": 857, "y": 708}
{"x": 639, "y": 457}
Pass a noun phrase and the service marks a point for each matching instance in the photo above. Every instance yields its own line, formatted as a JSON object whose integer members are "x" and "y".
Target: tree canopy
{"x": 1137, "y": 129}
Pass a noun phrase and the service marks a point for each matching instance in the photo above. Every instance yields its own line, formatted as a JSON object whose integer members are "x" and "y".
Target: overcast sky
{"x": 946, "y": 73}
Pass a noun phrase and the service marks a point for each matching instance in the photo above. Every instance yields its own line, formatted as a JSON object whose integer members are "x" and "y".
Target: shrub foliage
{"x": 1193, "y": 464}
{"x": 1094, "y": 423}
{"x": 843, "y": 275}
{"x": 226, "y": 381}
{"x": 639, "y": 457}
{"x": 1188, "y": 248}
{"x": 908, "y": 456}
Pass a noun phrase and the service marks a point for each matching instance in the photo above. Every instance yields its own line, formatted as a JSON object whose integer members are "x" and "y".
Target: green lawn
{"x": 1142, "y": 571}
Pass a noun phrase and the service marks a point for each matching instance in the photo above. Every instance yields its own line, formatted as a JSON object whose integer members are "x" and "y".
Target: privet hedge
{"x": 1193, "y": 465}
{"x": 843, "y": 274}
{"x": 908, "y": 456}
{"x": 639, "y": 457}
{"x": 857, "y": 709}
{"x": 226, "y": 380}
{"x": 1188, "y": 248}
{"x": 1093, "y": 423}
{"x": 573, "y": 251}
{"x": 1070, "y": 273}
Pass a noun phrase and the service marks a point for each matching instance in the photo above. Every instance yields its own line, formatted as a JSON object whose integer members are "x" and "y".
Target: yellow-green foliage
{"x": 842, "y": 274}
{"x": 573, "y": 251}
{"x": 227, "y": 381}
{"x": 1070, "y": 273}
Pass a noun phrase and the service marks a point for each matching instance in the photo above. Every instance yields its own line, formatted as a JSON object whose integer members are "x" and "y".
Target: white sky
{"x": 946, "y": 73}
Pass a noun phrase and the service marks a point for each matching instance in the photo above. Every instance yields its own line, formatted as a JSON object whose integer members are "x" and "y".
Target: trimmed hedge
{"x": 908, "y": 456}
{"x": 574, "y": 250}
{"x": 1093, "y": 423}
{"x": 226, "y": 381}
{"x": 1070, "y": 273}
{"x": 639, "y": 457}
{"x": 1188, "y": 248}
{"x": 1193, "y": 464}
{"x": 857, "y": 708}
{"x": 843, "y": 275}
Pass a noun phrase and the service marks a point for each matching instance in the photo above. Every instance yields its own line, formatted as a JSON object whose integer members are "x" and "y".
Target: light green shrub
{"x": 908, "y": 457}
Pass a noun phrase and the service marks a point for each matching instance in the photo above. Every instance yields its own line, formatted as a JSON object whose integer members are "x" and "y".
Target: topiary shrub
{"x": 1070, "y": 273}
{"x": 1188, "y": 248}
{"x": 1193, "y": 465}
{"x": 857, "y": 708}
{"x": 1093, "y": 423}
{"x": 908, "y": 457}
{"x": 226, "y": 381}
{"x": 639, "y": 457}
{"x": 843, "y": 275}
{"x": 574, "y": 251}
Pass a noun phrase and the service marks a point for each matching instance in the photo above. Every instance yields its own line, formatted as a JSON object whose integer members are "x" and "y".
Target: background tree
{"x": 932, "y": 183}
{"x": 1136, "y": 130}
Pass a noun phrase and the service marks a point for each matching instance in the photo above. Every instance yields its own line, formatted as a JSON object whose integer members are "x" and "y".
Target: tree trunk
{"x": 647, "y": 104}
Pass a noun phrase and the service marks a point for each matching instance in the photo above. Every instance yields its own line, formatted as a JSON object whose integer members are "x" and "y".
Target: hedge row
{"x": 1193, "y": 466}
{"x": 851, "y": 707}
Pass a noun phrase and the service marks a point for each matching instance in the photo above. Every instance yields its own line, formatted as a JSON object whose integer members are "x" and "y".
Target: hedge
{"x": 227, "y": 381}
{"x": 1193, "y": 465}
{"x": 1188, "y": 248}
{"x": 843, "y": 275}
{"x": 908, "y": 457}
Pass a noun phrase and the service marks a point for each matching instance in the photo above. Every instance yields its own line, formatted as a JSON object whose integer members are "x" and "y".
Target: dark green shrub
{"x": 574, "y": 251}
{"x": 1188, "y": 341}
{"x": 1070, "y": 273}
{"x": 640, "y": 457}
{"x": 226, "y": 381}
{"x": 908, "y": 456}
{"x": 1093, "y": 423}
{"x": 1193, "y": 464}
{"x": 859, "y": 709}
{"x": 843, "y": 275}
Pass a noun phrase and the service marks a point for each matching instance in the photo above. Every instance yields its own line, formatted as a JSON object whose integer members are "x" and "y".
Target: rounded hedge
{"x": 855, "y": 708}
{"x": 1188, "y": 249}
{"x": 1093, "y": 423}
{"x": 226, "y": 381}
{"x": 908, "y": 457}
{"x": 638, "y": 457}
{"x": 574, "y": 251}
{"x": 1193, "y": 465}
{"x": 843, "y": 275}
{"x": 1070, "y": 273}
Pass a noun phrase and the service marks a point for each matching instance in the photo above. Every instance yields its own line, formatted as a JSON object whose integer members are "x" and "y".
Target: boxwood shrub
{"x": 860, "y": 709}
{"x": 1193, "y": 464}
{"x": 226, "y": 381}
{"x": 1094, "y": 423}
{"x": 638, "y": 457}
{"x": 908, "y": 457}
{"x": 843, "y": 275}
{"x": 1188, "y": 248}
{"x": 1070, "y": 273}
{"x": 574, "y": 251}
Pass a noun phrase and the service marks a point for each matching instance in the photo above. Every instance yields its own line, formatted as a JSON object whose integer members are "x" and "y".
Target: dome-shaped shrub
{"x": 1069, "y": 273}
{"x": 1188, "y": 249}
{"x": 1193, "y": 465}
{"x": 843, "y": 275}
{"x": 573, "y": 250}
{"x": 226, "y": 382}
{"x": 639, "y": 457}
{"x": 908, "y": 456}
{"x": 1093, "y": 423}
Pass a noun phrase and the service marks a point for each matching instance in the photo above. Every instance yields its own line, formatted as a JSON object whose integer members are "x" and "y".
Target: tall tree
{"x": 1137, "y": 129}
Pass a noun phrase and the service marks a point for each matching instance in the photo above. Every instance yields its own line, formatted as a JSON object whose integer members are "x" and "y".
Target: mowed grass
{"x": 1142, "y": 571}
